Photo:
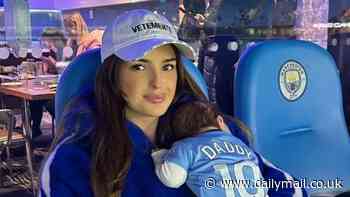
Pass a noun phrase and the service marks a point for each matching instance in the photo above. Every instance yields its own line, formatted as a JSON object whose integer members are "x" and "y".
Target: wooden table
{"x": 28, "y": 92}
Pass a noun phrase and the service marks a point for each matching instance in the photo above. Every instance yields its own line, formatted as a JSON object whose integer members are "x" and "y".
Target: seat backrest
{"x": 76, "y": 78}
{"x": 339, "y": 46}
{"x": 79, "y": 77}
{"x": 217, "y": 59}
{"x": 288, "y": 92}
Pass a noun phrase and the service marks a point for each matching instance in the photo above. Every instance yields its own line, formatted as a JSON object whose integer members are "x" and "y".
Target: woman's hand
{"x": 90, "y": 41}
{"x": 200, "y": 19}
{"x": 48, "y": 62}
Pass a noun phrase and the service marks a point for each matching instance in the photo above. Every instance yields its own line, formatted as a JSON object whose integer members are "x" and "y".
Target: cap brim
{"x": 140, "y": 49}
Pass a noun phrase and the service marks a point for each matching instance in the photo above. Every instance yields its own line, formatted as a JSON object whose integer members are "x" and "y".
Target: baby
{"x": 206, "y": 156}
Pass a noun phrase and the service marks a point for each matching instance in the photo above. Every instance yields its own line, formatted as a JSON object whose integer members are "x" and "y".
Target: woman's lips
{"x": 155, "y": 98}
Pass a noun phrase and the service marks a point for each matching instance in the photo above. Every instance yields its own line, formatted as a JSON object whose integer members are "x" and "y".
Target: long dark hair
{"x": 111, "y": 145}
{"x": 112, "y": 148}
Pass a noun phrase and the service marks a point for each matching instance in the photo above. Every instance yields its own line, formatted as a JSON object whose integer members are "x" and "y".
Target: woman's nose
{"x": 156, "y": 80}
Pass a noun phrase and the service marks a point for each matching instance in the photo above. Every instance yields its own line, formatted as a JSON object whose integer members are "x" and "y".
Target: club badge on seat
{"x": 292, "y": 80}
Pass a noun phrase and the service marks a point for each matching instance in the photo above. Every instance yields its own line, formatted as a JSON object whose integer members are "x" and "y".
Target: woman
{"x": 106, "y": 137}
{"x": 80, "y": 39}
{"x": 75, "y": 26}
{"x": 76, "y": 29}
{"x": 130, "y": 98}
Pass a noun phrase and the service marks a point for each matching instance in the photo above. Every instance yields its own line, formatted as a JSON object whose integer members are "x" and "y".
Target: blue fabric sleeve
{"x": 180, "y": 154}
{"x": 70, "y": 173}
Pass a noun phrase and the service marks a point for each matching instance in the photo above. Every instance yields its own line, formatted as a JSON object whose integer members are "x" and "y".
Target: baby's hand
{"x": 158, "y": 154}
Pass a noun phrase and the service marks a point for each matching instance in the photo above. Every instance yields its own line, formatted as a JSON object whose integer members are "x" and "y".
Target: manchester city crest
{"x": 292, "y": 80}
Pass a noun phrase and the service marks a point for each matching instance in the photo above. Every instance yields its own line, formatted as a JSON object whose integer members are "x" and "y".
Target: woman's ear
{"x": 222, "y": 124}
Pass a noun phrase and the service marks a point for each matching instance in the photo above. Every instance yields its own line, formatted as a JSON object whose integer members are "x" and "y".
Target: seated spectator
{"x": 8, "y": 64}
{"x": 52, "y": 39}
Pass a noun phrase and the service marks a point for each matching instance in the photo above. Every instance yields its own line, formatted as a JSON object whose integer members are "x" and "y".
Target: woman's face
{"x": 149, "y": 84}
{"x": 71, "y": 27}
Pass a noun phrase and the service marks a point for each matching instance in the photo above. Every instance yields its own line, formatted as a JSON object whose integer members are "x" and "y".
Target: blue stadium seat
{"x": 289, "y": 93}
{"x": 339, "y": 47}
{"x": 79, "y": 77}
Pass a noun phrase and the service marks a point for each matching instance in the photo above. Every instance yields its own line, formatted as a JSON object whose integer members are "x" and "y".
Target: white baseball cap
{"x": 135, "y": 33}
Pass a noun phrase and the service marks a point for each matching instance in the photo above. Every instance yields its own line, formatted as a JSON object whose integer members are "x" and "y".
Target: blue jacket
{"x": 66, "y": 172}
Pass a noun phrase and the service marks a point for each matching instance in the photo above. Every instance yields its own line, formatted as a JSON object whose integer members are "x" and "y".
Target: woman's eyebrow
{"x": 143, "y": 60}
{"x": 170, "y": 60}
{"x": 148, "y": 61}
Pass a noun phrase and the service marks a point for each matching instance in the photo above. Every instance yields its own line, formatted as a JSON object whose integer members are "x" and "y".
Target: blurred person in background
{"x": 90, "y": 41}
{"x": 8, "y": 61}
{"x": 344, "y": 18}
{"x": 80, "y": 39}
{"x": 53, "y": 41}
{"x": 191, "y": 22}
{"x": 197, "y": 20}
{"x": 76, "y": 28}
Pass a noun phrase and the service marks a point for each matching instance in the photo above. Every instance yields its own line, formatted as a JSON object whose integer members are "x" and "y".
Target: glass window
{"x": 40, "y": 19}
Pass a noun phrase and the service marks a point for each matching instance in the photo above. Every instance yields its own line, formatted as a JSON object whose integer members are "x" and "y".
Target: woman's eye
{"x": 168, "y": 67}
{"x": 138, "y": 67}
